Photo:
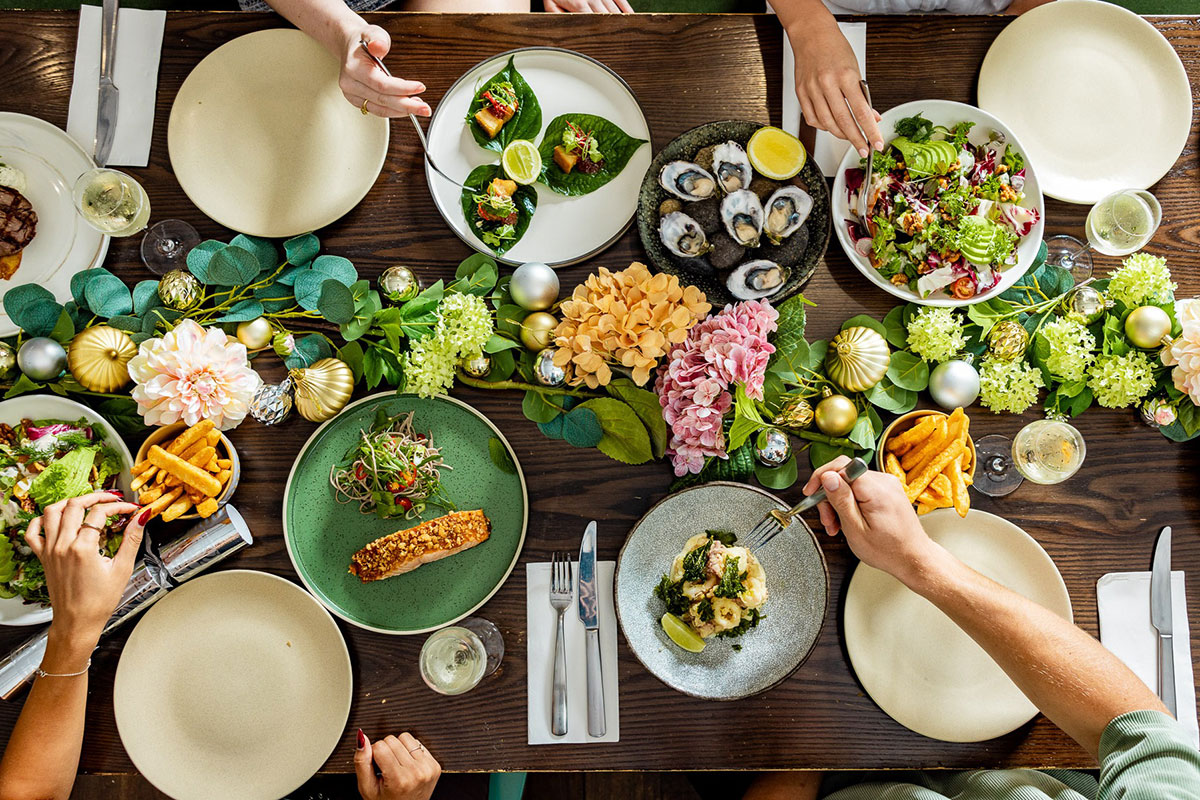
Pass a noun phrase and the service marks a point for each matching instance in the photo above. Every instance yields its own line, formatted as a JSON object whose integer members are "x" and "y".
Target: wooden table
{"x": 686, "y": 70}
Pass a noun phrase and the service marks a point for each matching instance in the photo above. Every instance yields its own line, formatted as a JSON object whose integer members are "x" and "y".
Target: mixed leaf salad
{"x": 944, "y": 215}
{"x": 41, "y": 463}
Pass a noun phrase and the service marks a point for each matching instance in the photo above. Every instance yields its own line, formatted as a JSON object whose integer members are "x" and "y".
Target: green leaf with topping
{"x": 616, "y": 146}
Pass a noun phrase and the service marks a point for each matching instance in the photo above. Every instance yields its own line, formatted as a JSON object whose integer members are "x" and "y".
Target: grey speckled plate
{"x": 797, "y": 583}
{"x": 698, "y": 271}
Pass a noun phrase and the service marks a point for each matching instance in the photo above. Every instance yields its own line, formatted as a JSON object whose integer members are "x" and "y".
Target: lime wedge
{"x": 775, "y": 153}
{"x": 522, "y": 161}
{"x": 681, "y": 633}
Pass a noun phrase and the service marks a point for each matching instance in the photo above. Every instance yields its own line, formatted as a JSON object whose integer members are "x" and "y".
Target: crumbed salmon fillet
{"x": 404, "y": 551}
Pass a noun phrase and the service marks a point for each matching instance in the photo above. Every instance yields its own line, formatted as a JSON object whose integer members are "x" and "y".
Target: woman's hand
{"x": 362, "y": 80}
{"x": 406, "y": 770}
{"x": 589, "y": 6}
{"x": 85, "y": 585}
{"x": 828, "y": 84}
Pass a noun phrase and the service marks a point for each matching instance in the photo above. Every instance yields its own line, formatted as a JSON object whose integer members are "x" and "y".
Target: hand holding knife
{"x": 589, "y": 613}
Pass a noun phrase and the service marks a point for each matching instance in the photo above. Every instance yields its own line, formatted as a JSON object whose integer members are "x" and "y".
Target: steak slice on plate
{"x": 18, "y": 221}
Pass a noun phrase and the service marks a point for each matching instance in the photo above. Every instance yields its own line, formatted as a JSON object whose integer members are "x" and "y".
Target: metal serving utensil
{"x": 560, "y": 601}
{"x": 363, "y": 42}
{"x": 862, "y": 195}
{"x": 776, "y": 521}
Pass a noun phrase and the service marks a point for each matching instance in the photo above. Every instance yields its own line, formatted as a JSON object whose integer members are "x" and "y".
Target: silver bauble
{"x": 776, "y": 449}
{"x": 399, "y": 284}
{"x": 477, "y": 367}
{"x": 272, "y": 402}
{"x": 8, "y": 359}
{"x": 1084, "y": 305}
{"x": 545, "y": 370}
{"x": 954, "y": 384}
{"x": 42, "y": 359}
{"x": 534, "y": 286}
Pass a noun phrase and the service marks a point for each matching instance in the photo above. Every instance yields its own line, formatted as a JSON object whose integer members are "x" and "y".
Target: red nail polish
{"x": 362, "y": 739}
{"x": 145, "y": 516}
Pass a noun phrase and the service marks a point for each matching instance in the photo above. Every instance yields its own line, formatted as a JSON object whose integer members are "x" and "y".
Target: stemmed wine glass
{"x": 1119, "y": 224}
{"x": 455, "y": 659}
{"x": 166, "y": 245}
{"x": 1046, "y": 451}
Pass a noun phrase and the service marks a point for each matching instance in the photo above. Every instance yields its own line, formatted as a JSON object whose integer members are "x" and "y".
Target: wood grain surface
{"x": 686, "y": 70}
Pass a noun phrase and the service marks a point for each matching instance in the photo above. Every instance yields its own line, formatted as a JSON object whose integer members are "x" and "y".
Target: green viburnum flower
{"x": 936, "y": 334}
{"x": 464, "y": 325}
{"x": 1008, "y": 385}
{"x": 1072, "y": 349}
{"x": 1121, "y": 381}
{"x": 1141, "y": 279}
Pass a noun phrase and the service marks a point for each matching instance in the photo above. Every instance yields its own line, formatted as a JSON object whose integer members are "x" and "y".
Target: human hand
{"x": 828, "y": 84}
{"x": 874, "y": 515}
{"x": 589, "y": 6}
{"x": 84, "y": 585}
{"x": 362, "y": 80}
{"x": 407, "y": 771}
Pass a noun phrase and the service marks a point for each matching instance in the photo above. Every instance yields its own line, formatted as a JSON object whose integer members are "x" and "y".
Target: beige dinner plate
{"x": 236, "y": 685}
{"x": 919, "y": 666}
{"x": 263, "y": 141}
{"x": 1098, "y": 97}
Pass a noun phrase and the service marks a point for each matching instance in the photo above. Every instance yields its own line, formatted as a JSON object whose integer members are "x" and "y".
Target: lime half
{"x": 522, "y": 161}
{"x": 681, "y": 633}
{"x": 775, "y": 153}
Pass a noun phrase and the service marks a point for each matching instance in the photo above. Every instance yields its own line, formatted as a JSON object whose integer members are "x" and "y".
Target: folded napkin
{"x": 135, "y": 73}
{"x": 828, "y": 150}
{"x": 1123, "y": 599}
{"x": 540, "y": 623}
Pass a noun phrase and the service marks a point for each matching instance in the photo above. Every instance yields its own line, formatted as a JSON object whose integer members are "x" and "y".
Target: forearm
{"x": 801, "y": 17}
{"x": 42, "y": 755}
{"x": 327, "y": 21}
{"x": 1066, "y": 673}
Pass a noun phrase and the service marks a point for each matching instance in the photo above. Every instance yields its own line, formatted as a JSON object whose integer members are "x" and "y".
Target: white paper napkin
{"x": 828, "y": 150}
{"x": 135, "y": 72}
{"x": 1123, "y": 600}
{"x": 540, "y": 623}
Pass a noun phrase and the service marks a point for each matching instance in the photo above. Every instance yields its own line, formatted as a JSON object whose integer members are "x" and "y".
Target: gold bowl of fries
{"x": 186, "y": 472}
{"x": 933, "y": 455}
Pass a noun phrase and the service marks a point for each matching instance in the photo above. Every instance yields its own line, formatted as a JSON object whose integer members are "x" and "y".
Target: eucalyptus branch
{"x": 479, "y": 383}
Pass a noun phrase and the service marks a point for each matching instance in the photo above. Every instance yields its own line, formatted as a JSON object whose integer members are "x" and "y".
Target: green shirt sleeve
{"x": 1146, "y": 755}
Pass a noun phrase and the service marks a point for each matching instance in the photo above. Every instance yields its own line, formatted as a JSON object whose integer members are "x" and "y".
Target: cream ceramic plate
{"x": 262, "y": 140}
{"x": 64, "y": 244}
{"x": 565, "y": 230}
{"x": 236, "y": 685}
{"x": 1098, "y": 96}
{"x": 920, "y": 668}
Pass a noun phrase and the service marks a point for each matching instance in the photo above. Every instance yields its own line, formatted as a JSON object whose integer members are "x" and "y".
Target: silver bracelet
{"x": 41, "y": 673}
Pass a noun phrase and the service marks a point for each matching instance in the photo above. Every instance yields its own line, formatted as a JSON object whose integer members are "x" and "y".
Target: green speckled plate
{"x": 322, "y": 534}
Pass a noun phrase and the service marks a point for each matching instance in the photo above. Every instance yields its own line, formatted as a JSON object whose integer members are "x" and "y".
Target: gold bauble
{"x": 255, "y": 334}
{"x": 836, "y": 415}
{"x": 795, "y": 415}
{"x": 323, "y": 389}
{"x": 99, "y": 356}
{"x": 858, "y": 358}
{"x": 180, "y": 290}
{"x": 1007, "y": 340}
{"x": 1147, "y": 326}
{"x": 537, "y": 330}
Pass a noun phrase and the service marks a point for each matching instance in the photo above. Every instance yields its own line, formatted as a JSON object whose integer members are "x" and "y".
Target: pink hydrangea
{"x": 695, "y": 385}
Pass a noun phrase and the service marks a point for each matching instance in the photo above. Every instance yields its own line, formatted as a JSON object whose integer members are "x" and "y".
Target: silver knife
{"x": 106, "y": 106}
{"x": 589, "y": 612}
{"x": 1160, "y": 617}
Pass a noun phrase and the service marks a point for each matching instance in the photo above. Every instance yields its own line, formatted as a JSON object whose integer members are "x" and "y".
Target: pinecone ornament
{"x": 272, "y": 402}
{"x": 1007, "y": 340}
{"x": 795, "y": 415}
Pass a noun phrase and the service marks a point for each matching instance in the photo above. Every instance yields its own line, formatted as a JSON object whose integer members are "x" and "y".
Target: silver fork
{"x": 560, "y": 601}
{"x": 776, "y": 521}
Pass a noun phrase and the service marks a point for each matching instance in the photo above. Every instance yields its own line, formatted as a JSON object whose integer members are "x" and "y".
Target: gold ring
{"x": 363, "y": 109}
{"x": 92, "y": 527}
{"x": 418, "y": 747}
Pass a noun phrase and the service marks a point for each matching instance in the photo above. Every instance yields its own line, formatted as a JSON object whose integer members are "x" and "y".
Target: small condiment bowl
{"x": 906, "y": 421}
{"x": 169, "y": 432}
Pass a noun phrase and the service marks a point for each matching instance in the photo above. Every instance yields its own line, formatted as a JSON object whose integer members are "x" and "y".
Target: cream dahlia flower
{"x": 193, "y": 373}
{"x": 1184, "y": 353}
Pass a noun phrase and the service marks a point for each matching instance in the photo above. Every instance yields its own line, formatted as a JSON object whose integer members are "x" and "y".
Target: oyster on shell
{"x": 756, "y": 279}
{"x": 731, "y": 166}
{"x": 687, "y": 181}
{"x": 786, "y": 210}
{"x": 742, "y": 214}
{"x": 683, "y": 236}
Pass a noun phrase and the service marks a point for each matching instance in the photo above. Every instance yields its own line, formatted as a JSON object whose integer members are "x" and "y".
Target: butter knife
{"x": 589, "y": 613}
{"x": 108, "y": 101}
{"x": 1161, "y": 617}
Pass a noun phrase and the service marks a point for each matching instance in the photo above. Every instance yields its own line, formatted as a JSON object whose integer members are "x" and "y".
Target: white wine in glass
{"x": 1048, "y": 451}
{"x": 1123, "y": 222}
{"x": 112, "y": 202}
{"x": 455, "y": 659}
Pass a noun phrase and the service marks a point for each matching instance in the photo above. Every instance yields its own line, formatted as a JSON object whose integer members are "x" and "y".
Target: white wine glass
{"x": 454, "y": 660}
{"x": 1047, "y": 451}
{"x": 1119, "y": 224}
{"x": 112, "y": 202}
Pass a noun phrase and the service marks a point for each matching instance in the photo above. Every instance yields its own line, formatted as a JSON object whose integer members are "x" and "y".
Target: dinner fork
{"x": 560, "y": 601}
{"x": 862, "y": 195}
{"x": 776, "y": 521}
{"x": 363, "y": 42}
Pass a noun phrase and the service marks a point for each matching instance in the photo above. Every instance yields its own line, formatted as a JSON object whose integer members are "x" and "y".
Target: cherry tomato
{"x": 963, "y": 288}
{"x": 405, "y": 503}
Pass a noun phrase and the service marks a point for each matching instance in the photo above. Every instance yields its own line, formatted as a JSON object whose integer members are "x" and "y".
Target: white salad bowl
{"x": 13, "y": 610}
{"x": 947, "y": 113}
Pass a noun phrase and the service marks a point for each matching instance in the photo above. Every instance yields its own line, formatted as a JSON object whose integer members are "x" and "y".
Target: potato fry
{"x": 201, "y": 457}
{"x": 141, "y": 480}
{"x": 159, "y": 477}
{"x": 223, "y": 477}
{"x": 923, "y": 509}
{"x": 207, "y": 508}
{"x": 926, "y": 475}
{"x": 177, "y": 508}
{"x": 958, "y": 491}
{"x": 933, "y": 444}
{"x": 213, "y": 438}
{"x": 940, "y": 485}
{"x": 185, "y": 440}
{"x": 142, "y": 466}
{"x": 163, "y": 502}
{"x": 149, "y": 496}
{"x": 891, "y": 465}
{"x": 211, "y": 466}
{"x": 900, "y": 443}
{"x": 191, "y": 474}
{"x": 956, "y": 425}
{"x": 194, "y": 494}
{"x": 928, "y": 498}
{"x": 225, "y": 463}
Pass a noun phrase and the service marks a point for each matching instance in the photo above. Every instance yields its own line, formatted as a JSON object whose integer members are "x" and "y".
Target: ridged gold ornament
{"x": 98, "y": 358}
{"x": 323, "y": 389}
{"x": 858, "y": 358}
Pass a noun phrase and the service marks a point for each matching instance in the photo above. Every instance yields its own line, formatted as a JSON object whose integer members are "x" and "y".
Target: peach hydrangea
{"x": 1184, "y": 353}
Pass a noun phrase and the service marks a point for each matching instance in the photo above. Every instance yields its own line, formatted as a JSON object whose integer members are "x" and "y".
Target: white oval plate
{"x": 948, "y": 113}
{"x": 13, "y": 611}
{"x": 1095, "y": 92}
{"x": 236, "y": 685}
{"x": 565, "y": 230}
{"x": 920, "y": 667}
{"x": 263, "y": 141}
{"x": 64, "y": 243}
